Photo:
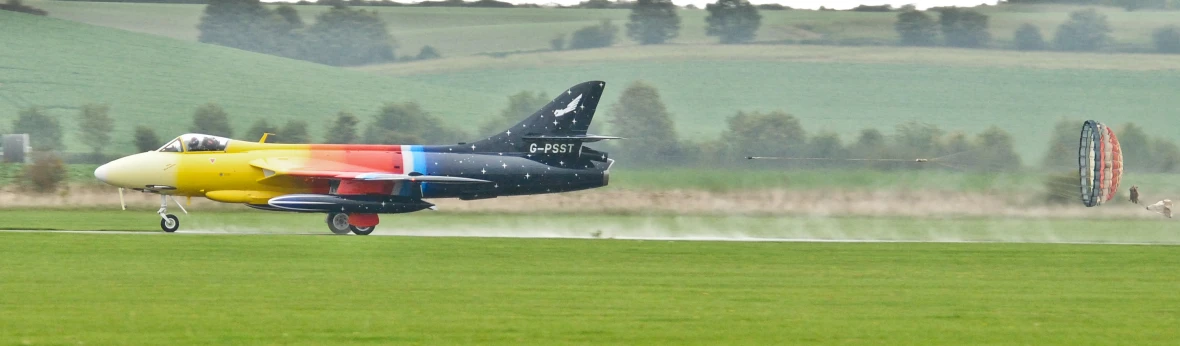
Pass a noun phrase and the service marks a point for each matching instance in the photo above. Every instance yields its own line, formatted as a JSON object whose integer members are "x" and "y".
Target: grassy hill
{"x": 846, "y": 89}
{"x": 158, "y": 81}
{"x": 465, "y": 31}
{"x": 839, "y": 89}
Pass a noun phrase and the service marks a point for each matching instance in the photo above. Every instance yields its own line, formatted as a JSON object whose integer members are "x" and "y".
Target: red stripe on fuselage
{"x": 348, "y": 157}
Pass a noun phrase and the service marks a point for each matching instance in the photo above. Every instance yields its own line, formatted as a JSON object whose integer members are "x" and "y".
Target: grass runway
{"x": 134, "y": 289}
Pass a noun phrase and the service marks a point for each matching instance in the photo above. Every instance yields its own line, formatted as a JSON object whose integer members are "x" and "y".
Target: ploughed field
{"x": 267, "y": 289}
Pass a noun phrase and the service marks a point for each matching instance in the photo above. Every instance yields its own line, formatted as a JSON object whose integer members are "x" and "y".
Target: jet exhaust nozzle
{"x": 370, "y": 204}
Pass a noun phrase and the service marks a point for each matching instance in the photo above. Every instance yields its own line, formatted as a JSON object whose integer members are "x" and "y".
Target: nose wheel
{"x": 168, "y": 222}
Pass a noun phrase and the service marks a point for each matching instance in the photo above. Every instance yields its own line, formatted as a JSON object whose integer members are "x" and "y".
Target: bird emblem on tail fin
{"x": 568, "y": 108}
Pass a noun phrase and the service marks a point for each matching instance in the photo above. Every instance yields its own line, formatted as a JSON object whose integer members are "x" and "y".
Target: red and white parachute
{"x": 1100, "y": 163}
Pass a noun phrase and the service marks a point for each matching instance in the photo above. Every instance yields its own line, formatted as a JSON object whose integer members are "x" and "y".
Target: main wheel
{"x": 338, "y": 223}
{"x": 362, "y": 230}
{"x": 170, "y": 223}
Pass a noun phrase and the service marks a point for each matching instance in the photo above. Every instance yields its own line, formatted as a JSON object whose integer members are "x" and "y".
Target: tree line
{"x": 1085, "y": 30}
{"x": 341, "y": 36}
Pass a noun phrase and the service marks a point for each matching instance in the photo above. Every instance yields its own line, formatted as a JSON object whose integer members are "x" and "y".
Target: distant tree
{"x": 295, "y": 131}
{"x": 46, "y": 173}
{"x": 1086, "y": 30}
{"x": 870, "y": 144}
{"x": 520, "y": 105}
{"x": 641, "y": 116}
{"x": 1167, "y": 39}
{"x": 260, "y": 127}
{"x": 653, "y": 21}
{"x": 408, "y": 123}
{"x": 18, "y": 6}
{"x": 1136, "y": 144}
{"x": 1063, "y": 146}
{"x": 595, "y": 36}
{"x": 557, "y": 43}
{"x": 827, "y": 145}
{"x": 914, "y": 139}
{"x": 243, "y": 24}
{"x": 1028, "y": 37}
{"x": 733, "y": 21}
{"x": 996, "y": 150}
{"x": 1133, "y": 5}
{"x": 343, "y": 129}
{"x": 771, "y": 134}
{"x": 210, "y": 119}
{"x": 872, "y": 8}
{"x": 290, "y": 15}
{"x": 428, "y": 53}
{"x": 94, "y": 128}
{"x": 343, "y": 36}
{"x": 1167, "y": 155}
{"x": 964, "y": 28}
{"x": 955, "y": 143}
{"x": 44, "y": 130}
{"x": 916, "y": 28}
{"x": 145, "y": 139}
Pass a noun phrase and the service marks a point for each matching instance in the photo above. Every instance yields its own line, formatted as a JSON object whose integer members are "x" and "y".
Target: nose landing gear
{"x": 168, "y": 222}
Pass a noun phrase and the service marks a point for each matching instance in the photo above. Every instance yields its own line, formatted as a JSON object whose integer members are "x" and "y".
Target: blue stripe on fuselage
{"x": 420, "y": 164}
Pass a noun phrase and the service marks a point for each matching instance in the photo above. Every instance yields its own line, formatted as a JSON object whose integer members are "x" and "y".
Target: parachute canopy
{"x": 1100, "y": 163}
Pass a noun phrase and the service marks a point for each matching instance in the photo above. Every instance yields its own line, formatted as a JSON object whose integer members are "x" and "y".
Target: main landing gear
{"x": 338, "y": 224}
{"x": 168, "y": 222}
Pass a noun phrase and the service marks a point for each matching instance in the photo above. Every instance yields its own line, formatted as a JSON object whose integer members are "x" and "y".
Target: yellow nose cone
{"x": 140, "y": 170}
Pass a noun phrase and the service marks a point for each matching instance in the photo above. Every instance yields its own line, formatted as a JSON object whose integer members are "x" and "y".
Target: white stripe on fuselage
{"x": 407, "y": 159}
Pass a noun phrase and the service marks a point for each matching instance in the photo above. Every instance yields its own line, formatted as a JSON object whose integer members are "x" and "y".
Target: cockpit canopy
{"x": 193, "y": 142}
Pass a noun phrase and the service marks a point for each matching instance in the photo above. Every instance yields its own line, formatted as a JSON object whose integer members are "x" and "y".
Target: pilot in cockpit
{"x": 194, "y": 144}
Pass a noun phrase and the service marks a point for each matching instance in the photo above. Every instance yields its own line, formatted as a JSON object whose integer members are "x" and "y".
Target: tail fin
{"x": 556, "y": 129}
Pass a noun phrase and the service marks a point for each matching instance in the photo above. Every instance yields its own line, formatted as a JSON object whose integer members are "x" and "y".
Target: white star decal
{"x": 526, "y": 175}
{"x": 509, "y": 132}
{"x": 505, "y": 165}
{"x": 484, "y": 171}
{"x": 560, "y": 163}
{"x": 575, "y": 121}
{"x": 473, "y": 147}
{"x": 555, "y": 122}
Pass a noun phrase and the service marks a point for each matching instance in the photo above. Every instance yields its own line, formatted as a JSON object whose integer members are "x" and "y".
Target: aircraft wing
{"x": 383, "y": 176}
{"x": 294, "y": 168}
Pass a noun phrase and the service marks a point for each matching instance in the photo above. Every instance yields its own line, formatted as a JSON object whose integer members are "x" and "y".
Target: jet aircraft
{"x": 353, "y": 183}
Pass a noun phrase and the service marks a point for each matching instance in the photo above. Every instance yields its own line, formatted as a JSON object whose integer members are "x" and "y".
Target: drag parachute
{"x": 1100, "y": 163}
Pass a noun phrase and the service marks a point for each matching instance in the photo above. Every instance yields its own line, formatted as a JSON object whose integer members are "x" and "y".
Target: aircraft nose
{"x": 102, "y": 172}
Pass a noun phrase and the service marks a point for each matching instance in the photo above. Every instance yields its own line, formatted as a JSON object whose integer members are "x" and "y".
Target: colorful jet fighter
{"x": 354, "y": 183}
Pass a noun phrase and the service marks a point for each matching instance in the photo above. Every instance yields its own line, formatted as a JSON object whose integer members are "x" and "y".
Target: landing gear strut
{"x": 338, "y": 224}
{"x": 168, "y": 222}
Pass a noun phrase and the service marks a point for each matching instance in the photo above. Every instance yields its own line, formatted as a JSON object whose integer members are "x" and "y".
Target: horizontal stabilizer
{"x": 578, "y": 138}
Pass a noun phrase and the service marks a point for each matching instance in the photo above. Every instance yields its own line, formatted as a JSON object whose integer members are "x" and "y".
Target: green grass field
{"x": 137, "y": 289}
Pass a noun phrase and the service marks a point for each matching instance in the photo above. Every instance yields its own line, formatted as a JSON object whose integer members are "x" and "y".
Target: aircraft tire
{"x": 170, "y": 223}
{"x": 362, "y": 230}
{"x": 338, "y": 223}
